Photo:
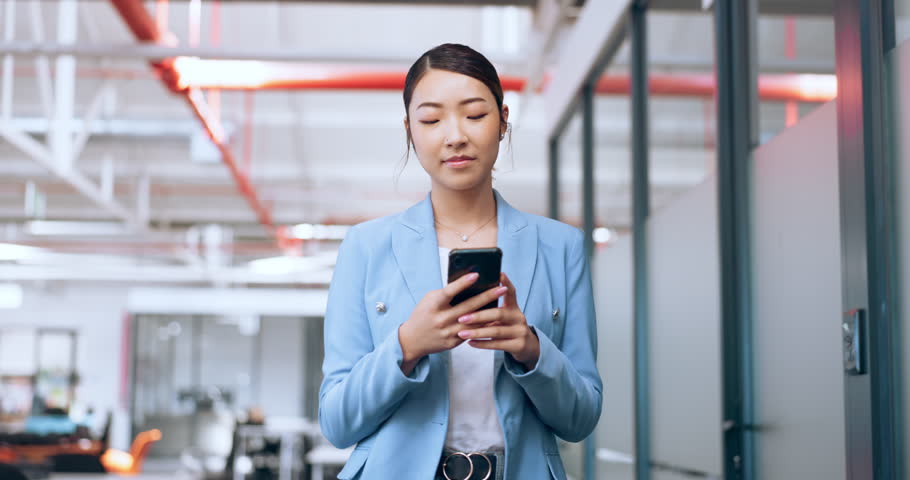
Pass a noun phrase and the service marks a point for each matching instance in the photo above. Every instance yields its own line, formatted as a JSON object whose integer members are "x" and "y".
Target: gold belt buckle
{"x": 470, "y": 463}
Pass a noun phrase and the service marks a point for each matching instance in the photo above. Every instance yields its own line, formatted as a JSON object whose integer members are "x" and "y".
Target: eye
{"x": 428, "y": 122}
{"x": 478, "y": 117}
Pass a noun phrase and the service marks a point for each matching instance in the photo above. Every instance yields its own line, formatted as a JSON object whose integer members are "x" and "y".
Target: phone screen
{"x": 485, "y": 261}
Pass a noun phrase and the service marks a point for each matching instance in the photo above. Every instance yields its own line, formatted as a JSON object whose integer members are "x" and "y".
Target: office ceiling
{"x": 333, "y": 156}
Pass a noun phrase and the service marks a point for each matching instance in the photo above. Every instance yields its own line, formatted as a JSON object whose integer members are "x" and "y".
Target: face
{"x": 456, "y": 129}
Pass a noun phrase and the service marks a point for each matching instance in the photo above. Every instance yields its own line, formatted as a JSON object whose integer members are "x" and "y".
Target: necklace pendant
{"x": 464, "y": 238}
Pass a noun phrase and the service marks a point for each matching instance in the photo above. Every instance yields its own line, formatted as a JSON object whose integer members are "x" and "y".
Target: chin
{"x": 465, "y": 183}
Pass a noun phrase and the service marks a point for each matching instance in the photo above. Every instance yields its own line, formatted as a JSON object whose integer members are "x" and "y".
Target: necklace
{"x": 465, "y": 238}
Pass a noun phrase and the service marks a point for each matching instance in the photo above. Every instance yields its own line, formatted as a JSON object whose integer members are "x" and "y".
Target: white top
{"x": 473, "y": 421}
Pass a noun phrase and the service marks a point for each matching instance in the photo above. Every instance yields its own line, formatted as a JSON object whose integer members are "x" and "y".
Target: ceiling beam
{"x": 765, "y": 7}
{"x": 596, "y": 35}
{"x": 40, "y": 154}
{"x": 152, "y": 52}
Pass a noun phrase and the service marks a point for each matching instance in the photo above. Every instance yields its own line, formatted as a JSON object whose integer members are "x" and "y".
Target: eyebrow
{"x": 463, "y": 102}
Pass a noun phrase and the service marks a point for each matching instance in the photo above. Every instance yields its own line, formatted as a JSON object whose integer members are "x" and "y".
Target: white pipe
{"x": 42, "y": 64}
{"x": 65, "y": 85}
{"x": 6, "y": 91}
{"x": 94, "y": 109}
{"x": 505, "y": 64}
{"x": 39, "y": 153}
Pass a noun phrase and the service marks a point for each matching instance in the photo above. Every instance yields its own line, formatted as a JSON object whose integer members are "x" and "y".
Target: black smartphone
{"x": 487, "y": 262}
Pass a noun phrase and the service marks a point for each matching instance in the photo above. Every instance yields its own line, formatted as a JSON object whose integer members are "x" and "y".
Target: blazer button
{"x": 556, "y": 314}
{"x": 380, "y": 307}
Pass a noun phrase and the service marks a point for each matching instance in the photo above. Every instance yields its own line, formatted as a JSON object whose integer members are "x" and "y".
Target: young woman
{"x": 429, "y": 391}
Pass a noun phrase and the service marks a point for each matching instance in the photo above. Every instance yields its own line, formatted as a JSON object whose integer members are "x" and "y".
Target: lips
{"x": 458, "y": 161}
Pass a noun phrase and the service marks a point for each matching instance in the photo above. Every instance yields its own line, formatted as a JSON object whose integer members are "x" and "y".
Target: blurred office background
{"x": 176, "y": 177}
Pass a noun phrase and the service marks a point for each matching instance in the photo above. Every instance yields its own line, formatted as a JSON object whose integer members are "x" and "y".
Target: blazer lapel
{"x": 518, "y": 241}
{"x": 416, "y": 250}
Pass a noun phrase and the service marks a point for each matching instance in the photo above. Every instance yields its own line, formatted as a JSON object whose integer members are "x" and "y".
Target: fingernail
{"x": 464, "y": 334}
{"x": 465, "y": 318}
{"x": 501, "y": 290}
{"x": 473, "y": 276}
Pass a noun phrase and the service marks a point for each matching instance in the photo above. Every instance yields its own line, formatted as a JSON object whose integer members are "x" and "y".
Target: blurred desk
{"x": 37, "y": 454}
{"x": 322, "y": 455}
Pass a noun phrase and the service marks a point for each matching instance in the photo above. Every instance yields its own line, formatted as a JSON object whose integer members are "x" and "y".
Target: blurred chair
{"x": 7, "y": 455}
{"x": 123, "y": 463}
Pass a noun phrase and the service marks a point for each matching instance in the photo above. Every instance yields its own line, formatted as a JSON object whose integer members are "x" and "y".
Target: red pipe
{"x": 215, "y": 132}
{"x": 144, "y": 29}
{"x": 247, "y": 131}
{"x": 138, "y": 20}
{"x": 771, "y": 87}
{"x": 253, "y": 75}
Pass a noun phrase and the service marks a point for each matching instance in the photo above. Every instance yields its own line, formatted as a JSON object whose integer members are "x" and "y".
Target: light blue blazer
{"x": 399, "y": 422}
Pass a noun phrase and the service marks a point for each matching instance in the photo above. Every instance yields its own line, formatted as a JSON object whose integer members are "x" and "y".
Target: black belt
{"x": 466, "y": 466}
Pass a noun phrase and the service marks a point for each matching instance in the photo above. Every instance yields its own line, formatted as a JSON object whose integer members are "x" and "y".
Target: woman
{"x": 426, "y": 390}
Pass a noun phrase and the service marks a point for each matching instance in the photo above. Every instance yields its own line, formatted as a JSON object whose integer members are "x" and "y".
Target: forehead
{"x": 445, "y": 87}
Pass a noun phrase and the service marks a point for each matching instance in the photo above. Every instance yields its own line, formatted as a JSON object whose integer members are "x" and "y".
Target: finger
{"x": 499, "y": 332}
{"x": 504, "y": 345}
{"x": 511, "y": 298}
{"x": 456, "y": 287}
{"x": 478, "y": 301}
{"x": 484, "y": 317}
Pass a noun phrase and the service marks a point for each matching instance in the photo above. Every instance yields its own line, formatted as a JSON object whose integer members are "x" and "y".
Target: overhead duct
{"x": 143, "y": 27}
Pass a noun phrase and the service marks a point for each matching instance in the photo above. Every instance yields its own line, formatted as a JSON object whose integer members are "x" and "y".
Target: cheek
{"x": 487, "y": 137}
{"x": 481, "y": 133}
{"x": 423, "y": 141}
{"x": 425, "y": 145}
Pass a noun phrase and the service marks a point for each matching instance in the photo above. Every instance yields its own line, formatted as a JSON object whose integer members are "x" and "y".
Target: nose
{"x": 455, "y": 137}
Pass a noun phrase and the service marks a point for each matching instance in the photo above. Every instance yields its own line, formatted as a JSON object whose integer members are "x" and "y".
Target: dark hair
{"x": 455, "y": 58}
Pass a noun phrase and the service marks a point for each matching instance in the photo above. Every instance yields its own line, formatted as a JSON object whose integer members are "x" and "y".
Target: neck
{"x": 463, "y": 208}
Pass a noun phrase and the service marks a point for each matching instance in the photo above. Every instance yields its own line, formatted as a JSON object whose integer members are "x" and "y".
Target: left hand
{"x": 504, "y": 328}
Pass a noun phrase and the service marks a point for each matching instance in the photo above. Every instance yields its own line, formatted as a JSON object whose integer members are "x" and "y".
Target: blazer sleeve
{"x": 564, "y": 386}
{"x": 362, "y": 383}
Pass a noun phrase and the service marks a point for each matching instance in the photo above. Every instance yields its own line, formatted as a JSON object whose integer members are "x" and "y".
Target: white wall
{"x": 281, "y": 372}
{"x": 612, "y": 278}
{"x": 799, "y": 382}
{"x": 97, "y": 314}
{"x": 684, "y": 329}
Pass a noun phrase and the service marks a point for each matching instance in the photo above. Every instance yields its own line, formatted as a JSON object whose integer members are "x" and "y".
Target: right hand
{"x": 433, "y": 326}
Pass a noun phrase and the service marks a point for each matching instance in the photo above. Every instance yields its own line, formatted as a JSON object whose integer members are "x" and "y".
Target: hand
{"x": 433, "y": 326}
{"x": 504, "y": 328}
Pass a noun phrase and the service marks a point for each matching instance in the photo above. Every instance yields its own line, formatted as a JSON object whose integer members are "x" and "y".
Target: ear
{"x": 505, "y": 119}
{"x": 407, "y": 128}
